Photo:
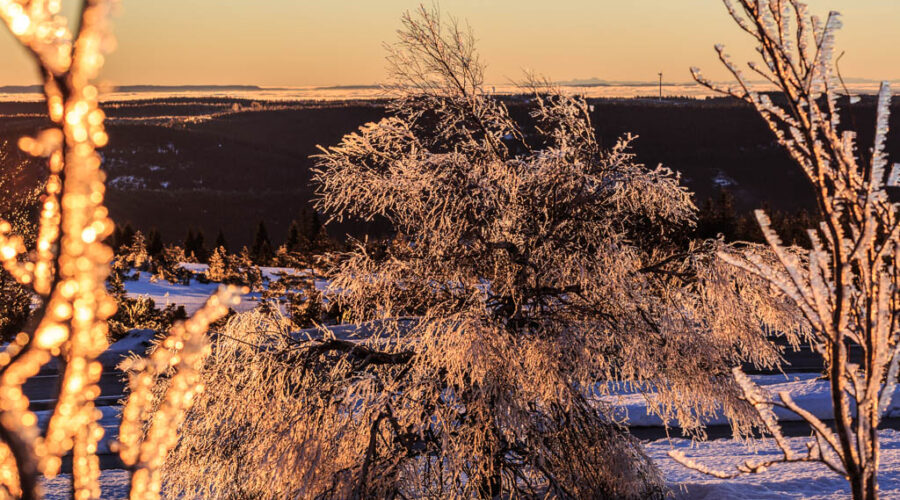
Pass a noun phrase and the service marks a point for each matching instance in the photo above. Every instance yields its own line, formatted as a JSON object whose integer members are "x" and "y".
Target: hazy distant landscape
{"x": 227, "y": 163}
{"x": 318, "y": 250}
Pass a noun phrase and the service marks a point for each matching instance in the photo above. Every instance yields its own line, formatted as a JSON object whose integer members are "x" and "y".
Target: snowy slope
{"x": 792, "y": 481}
{"x": 806, "y": 481}
{"x": 807, "y": 389}
{"x": 114, "y": 484}
{"x": 193, "y": 297}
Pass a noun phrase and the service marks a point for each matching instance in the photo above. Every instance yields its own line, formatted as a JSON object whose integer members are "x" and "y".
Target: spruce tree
{"x": 136, "y": 252}
{"x": 218, "y": 262}
{"x": 261, "y": 252}
{"x": 200, "y": 247}
{"x": 189, "y": 243}
{"x": 115, "y": 239}
{"x": 220, "y": 241}
{"x": 292, "y": 243}
{"x": 154, "y": 243}
{"x": 310, "y": 226}
{"x": 125, "y": 237}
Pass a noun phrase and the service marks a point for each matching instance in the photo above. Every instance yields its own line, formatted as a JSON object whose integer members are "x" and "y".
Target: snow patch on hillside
{"x": 798, "y": 480}
{"x": 809, "y": 390}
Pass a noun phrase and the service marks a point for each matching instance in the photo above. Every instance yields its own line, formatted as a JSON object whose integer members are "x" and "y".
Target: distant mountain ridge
{"x": 577, "y": 82}
{"x": 36, "y": 89}
{"x": 598, "y": 82}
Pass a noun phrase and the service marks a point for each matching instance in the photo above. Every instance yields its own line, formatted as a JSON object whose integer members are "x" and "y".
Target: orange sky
{"x": 338, "y": 42}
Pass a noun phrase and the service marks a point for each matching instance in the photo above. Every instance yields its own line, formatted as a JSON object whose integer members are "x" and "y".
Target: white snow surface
{"x": 193, "y": 297}
{"x": 782, "y": 481}
{"x": 786, "y": 481}
{"x": 114, "y": 484}
{"x": 808, "y": 390}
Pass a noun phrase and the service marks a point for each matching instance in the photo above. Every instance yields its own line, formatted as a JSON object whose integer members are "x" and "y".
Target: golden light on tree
{"x": 847, "y": 286}
{"x": 68, "y": 269}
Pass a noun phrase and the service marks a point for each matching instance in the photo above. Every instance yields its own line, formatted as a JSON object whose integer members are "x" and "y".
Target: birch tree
{"x": 846, "y": 286}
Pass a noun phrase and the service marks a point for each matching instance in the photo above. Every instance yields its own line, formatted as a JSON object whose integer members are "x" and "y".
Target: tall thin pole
{"x": 660, "y": 86}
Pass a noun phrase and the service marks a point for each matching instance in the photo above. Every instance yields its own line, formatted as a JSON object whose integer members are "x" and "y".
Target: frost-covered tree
{"x": 19, "y": 207}
{"x": 846, "y": 286}
{"x": 218, "y": 262}
{"x": 532, "y": 271}
{"x": 135, "y": 253}
{"x": 67, "y": 269}
{"x": 261, "y": 252}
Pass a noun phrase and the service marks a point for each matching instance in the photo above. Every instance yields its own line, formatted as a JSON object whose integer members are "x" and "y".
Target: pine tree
{"x": 114, "y": 240}
{"x": 194, "y": 247}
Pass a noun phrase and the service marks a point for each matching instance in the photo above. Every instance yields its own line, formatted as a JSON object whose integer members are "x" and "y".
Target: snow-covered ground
{"x": 808, "y": 390}
{"x": 114, "y": 484}
{"x": 807, "y": 481}
{"x": 193, "y": 297}
{"x": 791, "y": 481}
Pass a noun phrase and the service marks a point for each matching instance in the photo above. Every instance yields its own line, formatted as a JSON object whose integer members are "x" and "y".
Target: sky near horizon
{"x": 339, "y": 42}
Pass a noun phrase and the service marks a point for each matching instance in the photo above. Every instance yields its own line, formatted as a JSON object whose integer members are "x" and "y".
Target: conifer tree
{"x": 251, "y": 273}
{"x": 292, "y": 242}
{"x": 200, "y": 246}
{"x": 718, "y": 217}
{"x": 221, "y": 241}
{"x": 218, "y": 263}
{"x": 126, "y": 236}
{"x": 136, "y": 252}
{"x": 310, "y": 226}
{"x": 261, "y": 251}
{"x": 114, "y": 240}
{"x": 189, "y": 242}
{"x": 154, "y": 243}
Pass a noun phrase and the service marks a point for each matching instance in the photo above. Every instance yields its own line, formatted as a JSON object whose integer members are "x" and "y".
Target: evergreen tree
{"x": 251, "y": 274}
{"x": 220, "y": 241}
{"x": 261, "y": 252}
{"x": 218, "y": 263}
{"x": 189, "y": 242}
{"x": 115, "y": 239}
{"x": 718, "y": 216}
{"x": 292, "y": 243}
{"x": 200, "y": 246}
{"x": 194, "y": 247}
{"x": 154, "y": 243}
{"x": 125, "y": 237}
{"x": 310, "y": 226}
{"x": 136, "y": 252}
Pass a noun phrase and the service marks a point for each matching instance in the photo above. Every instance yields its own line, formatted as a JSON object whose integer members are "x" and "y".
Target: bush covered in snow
{"x": 530, "y": 267}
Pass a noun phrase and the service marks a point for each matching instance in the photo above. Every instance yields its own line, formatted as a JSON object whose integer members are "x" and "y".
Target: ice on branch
{"x": 848, "y": 285}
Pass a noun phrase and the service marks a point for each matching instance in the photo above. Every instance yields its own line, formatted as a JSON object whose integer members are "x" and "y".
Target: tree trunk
{"x": 865, "y": 485}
